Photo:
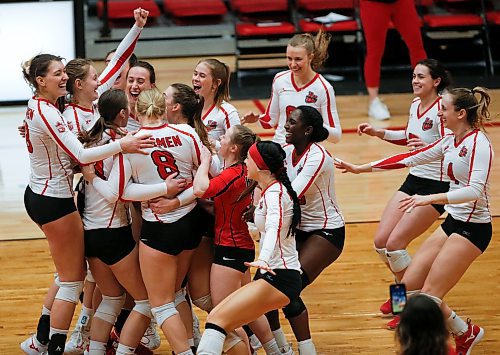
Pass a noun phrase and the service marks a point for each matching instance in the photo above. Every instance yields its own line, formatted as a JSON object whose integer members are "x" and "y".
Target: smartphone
{"x": 398, "y": 297}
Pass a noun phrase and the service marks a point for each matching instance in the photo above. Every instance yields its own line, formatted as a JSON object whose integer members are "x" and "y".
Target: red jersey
{"x": 230, "y": 229}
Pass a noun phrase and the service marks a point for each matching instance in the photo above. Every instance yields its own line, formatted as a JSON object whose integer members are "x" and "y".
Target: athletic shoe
{"x": 378, "y": 110}
{"x": 113, "y": 341}
{"x": 78, "y": 341}
{"x": 32, "y": 346}
{"x": 287, "y": 350}
{"x": 393, "y": 324}
{"x": 151, "y": 338}
{"x": 196, "y": 330}
{"x": 465, "y": 342}
{"x": 386, "y": 308}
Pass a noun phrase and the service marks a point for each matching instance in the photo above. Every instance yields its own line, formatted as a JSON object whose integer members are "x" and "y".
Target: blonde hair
{"x": 219, "y": 71}
{"x": 317, "y": 46}
{"x": 475, "y": 107}
{"x": 151, "y": 103}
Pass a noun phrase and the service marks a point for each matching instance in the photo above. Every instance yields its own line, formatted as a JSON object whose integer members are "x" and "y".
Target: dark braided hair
{"x": 274, "y": 156}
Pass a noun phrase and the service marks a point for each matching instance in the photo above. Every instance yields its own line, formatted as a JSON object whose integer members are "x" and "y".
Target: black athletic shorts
{"x": 45, "y": 209}
{"x": 233, "y": 257}
{"x": 285, "y": 281}
{"x": 479, "y": 234}
{"x": 206, "y": 220}
{"x": 173, "y": 238}
{"x": 414, "y": 185}
{"x": 110, "y": 245}
{"x": 335, "y": 236}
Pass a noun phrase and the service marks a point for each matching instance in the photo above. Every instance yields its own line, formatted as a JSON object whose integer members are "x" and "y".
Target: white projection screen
{"x": 27, "y": 29}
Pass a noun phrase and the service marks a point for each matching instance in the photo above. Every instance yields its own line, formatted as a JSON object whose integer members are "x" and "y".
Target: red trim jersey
{"x": 273, "y": 216}
{"x": 427, "y": 126}
{"x": 77, "y": 117}
{"x": 133, "y": 124}
{"x": 467, "y": 164}
{"x": 54, "y": 150}
{"x": 225, "y": 189}
{"x": 98, "y": 212}
{"x": 286, "y": 96}
{"x": 312, "y": 179}
{"x": 219, "y": 119}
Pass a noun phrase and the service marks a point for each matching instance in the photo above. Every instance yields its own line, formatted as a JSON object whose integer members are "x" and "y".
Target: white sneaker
{"x": 287, "y": 350}
{"x": 32, "y": 346}
{"x": 378, "y": 110}
{"x": 196, "y": 330}
{"x": 151, "y": 338}
{"x": 78, "y": 342}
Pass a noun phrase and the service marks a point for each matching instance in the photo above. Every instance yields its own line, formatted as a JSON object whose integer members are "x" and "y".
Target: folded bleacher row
{"x": 261, "y": 27}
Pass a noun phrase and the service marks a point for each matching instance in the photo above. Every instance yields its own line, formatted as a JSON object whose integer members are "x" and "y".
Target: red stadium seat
{"x": 190, "y": 8}
{"x": 123, "y": 9}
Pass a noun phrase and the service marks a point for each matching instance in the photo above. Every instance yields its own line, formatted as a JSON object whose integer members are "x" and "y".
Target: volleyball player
{"x": 301, "y": 85}
{"x": 141, "y": 76}
{"x": 397, "y": 229}
{"x": 466, "y": 232}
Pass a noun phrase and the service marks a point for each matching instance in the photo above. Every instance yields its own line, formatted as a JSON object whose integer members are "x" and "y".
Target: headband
{"x": 257, "y": 158}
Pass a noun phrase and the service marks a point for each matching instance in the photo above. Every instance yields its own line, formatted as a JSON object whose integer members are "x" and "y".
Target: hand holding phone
{"x": 398, "y": 297}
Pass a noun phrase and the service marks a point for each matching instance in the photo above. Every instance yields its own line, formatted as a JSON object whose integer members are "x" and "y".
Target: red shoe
{"x": 114, "y": 340}
{"x": 393, "y": 324}
{"x": 466, "y": 341}
{"x": 386, "y": 308}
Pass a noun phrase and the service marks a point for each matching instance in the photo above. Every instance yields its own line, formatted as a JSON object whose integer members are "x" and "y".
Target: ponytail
{"x": 476, "y": 109}
{"x": 283, "y": 178}
{"x": 316, "y": 46}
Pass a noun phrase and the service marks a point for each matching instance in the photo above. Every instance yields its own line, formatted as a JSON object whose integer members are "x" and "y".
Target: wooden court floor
{"x": 343, "y": 302}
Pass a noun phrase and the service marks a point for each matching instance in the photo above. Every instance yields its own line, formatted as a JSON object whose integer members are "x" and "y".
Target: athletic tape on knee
{"x": 434, "y": 298}
{"x": 204, "y": 303}
{"x": 180, "y": 296}
{"x": 89, "y": 277}
{"x": 382, "y": 254}
{"x": 232, "y": 338}
{"x": 398, "y": 259}
{"x": 69, "y": 291}
{"x": 109, "y": 308}
{"x": 163, "y": 312}
{"x": 294, "y": 308}
{"x": 143, "y": 307}
{"x": 57, "y": 281}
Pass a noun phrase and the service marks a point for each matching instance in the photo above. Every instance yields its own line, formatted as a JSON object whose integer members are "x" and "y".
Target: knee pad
{"x": 89, "y": 277}
{"x": 164, "y": 312}
{"x": 382, "y": 254}
{"x": 398, "y": 259}
{"x": 109, "y": 308}
{"x": 434, "y": 298}
{"x": 304, "y": 278}
{"x": 143, "y": 307}
{"x": 204, "y": 303}
{"x": 412, "y": 293}
{"x": 294, "y": 308}
{"x": 232, "y": 338}
{"x": 180, "y": 296}
{"x": 69, "y": 291}
{"x": 56, "y": 279}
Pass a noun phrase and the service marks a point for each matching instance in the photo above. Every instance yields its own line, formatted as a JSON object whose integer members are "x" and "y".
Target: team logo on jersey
{"x": 463, "y": 152}
{"x": 427, "y": 125}
{"x": 70, "y": 125}
{"x": 211, "y": 125}
{"x": 289, "y": 110}
{"x": 60, "y": 126}
{"x": 311, "y": 98}
{"x": 29, "y": 113}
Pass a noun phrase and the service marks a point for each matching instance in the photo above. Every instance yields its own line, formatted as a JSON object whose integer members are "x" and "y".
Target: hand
{"x": 22, "y": 131}
{"x": 368, "y": 129}
{"x": 346, "y": 167}
{"x": 88, "y": 172}
{"x": 206, "y": 155}
{"x": 162, "y": 205}
{"x": 140, "y": 16}
{"x": 248, "y": 214}
{"x": 415, "y": 143}
{"x": 407, "y": 203}
{"x": 260, "y": 264}
{"x": 133, "y": 144}
{"x": 175, "y": 185}
{"x": 250, "y": 117}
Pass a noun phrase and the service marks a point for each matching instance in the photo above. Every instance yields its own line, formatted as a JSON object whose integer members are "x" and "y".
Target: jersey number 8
{"x": 165, "y": 163}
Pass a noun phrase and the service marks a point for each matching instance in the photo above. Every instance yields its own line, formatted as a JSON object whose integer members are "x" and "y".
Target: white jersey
{"x": 78, "y": 117}
{"x": 312, "y": 179}
{"x": 219, "y": 119}
{"x": 133, "y": 124}
{"x": 467, "y": 165}
{"x": 54, "y": 150}
{"x": 286, "y": 96}
{"x": 273, "y": 216}
{"x": 98, "y": 212}
{"x": 427, "y": 126}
